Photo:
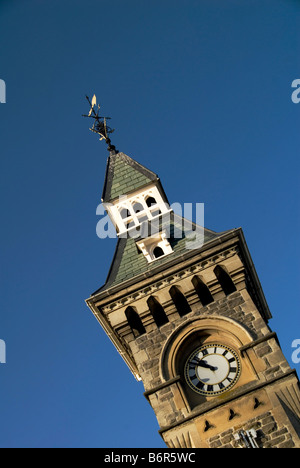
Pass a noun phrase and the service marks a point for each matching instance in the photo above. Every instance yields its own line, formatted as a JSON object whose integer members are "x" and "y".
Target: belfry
{"x": 192, "y": 323}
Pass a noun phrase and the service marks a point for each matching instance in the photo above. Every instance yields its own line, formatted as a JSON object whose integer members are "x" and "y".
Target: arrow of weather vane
{"x": 100, "y": 126}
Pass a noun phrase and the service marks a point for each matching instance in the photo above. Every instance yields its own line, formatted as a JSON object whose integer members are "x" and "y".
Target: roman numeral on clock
{"x": 200, "y": 385}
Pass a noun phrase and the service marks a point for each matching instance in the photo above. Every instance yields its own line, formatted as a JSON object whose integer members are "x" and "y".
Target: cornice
{"x": 169, "y": 280}
{"x": 188, "y": 259}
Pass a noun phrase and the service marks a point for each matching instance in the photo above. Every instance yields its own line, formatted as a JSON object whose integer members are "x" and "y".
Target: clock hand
{"x": 204, "y": 364}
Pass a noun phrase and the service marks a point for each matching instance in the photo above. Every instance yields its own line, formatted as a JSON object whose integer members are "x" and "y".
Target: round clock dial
{"x": 212, "y": 369}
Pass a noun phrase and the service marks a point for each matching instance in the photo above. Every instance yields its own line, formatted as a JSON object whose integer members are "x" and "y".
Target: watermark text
{"x": 296, "y": 94}
{"x": 296, "y": 352}
{"x": 2, "y": 92}
{"x": 2, "y": 352}
{"x": 178, "y": 221}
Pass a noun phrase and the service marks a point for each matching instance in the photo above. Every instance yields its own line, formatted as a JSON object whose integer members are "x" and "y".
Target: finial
{"x": 100, "y": 126}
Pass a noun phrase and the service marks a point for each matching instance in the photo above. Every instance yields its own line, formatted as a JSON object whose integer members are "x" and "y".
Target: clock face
{"x": 212, "y": 369}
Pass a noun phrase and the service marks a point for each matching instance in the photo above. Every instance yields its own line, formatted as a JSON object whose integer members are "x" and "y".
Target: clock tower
{"x": 192, "y": 323}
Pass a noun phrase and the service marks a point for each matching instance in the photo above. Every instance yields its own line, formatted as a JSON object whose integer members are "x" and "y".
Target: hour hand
{"x": 205, "y": 365}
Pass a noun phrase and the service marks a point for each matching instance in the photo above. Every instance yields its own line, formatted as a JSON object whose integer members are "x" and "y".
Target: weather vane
{"x": 100, "y": 123}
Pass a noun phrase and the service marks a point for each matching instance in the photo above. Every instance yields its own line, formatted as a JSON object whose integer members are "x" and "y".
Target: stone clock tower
{"x": 192, "y": 323}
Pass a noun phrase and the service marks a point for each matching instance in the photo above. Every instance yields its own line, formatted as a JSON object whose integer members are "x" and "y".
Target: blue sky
{"x": 199, "y": 92}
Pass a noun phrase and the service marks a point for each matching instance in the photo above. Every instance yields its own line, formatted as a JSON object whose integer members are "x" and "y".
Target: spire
{"x": 135, "y": 201}
{"x": 124, "y": 175}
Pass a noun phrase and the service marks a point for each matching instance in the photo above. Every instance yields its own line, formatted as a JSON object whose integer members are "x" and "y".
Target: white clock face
{"x": 212, "y": 369}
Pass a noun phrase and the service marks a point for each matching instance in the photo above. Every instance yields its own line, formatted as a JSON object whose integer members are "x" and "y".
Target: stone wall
{"x": 239, "y": 307}
{"x": 269, "y": 435}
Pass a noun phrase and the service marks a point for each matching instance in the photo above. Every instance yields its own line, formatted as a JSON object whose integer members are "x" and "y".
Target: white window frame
{"x": 147, "y": 246}
{"x": 127, "y": 202}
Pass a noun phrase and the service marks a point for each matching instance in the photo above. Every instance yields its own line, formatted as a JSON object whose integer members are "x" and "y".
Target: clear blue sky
{"x": 199, "y": 92}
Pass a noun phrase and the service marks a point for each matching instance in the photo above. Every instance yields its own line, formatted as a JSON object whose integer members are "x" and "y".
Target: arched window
{"x": 225, "y": 281}
{"x": 130, "y": 225}
{"x": 180, "y": 301}
{"x": 150, "y": 201}
{"x": 124, "y": 213}
{"x": 202, "y": 291}
{"x": 157, "y": 311}
{"x": 158, "y": 252}
{"x": 134, "y": 322}
{"x": 138, "y": 207}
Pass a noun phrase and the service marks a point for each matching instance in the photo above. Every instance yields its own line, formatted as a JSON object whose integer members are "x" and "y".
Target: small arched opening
{"x": 125, "y": 213}
{"x": 180, "y": 301}
{"x": 158, "y": 252}
{"x": 138, "y": 207}
{"x": 157, "y": 311}
{"x": 150, "y": 201}
{"x": 203, "y": 291}
{"x": 225, "y": 280}
{"x": 134, "y": 322}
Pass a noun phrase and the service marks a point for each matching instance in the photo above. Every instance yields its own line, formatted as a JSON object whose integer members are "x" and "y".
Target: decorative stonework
{"x": 200, "y": 267}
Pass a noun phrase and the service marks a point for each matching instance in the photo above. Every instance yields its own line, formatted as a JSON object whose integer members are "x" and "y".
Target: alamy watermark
{"x": 2, "y": 352}
{"x": 296, "y": 352}
{"x": 296, "y": 94}
{"x": 2, "y": 92}
{"x": 2, "y": 101}
{"x": 177, "y": 221}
